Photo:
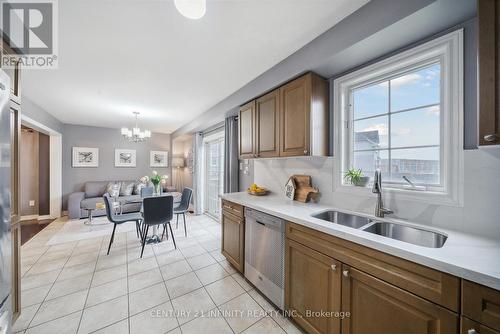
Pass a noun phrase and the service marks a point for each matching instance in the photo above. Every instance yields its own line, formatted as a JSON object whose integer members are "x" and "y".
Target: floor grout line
{"x": 43, "y": 301}
{"x": 201, "y": 237}
{"x": 88, "y": 291}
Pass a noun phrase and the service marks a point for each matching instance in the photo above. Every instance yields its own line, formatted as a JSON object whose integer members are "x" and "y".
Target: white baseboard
{"x": 30, "y": 217}
{"x": 37, "y": 217}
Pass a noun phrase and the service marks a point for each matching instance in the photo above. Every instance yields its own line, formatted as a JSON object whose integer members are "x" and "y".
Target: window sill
{"x": 420, "y": 196}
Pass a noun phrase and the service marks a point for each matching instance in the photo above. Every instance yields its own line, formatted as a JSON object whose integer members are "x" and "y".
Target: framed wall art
{"x": 85, "y": 157}
{"x": 125, "y": 158}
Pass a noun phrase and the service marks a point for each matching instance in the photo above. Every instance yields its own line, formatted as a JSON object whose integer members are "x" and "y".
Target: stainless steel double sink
{"x": 405, "y": 233}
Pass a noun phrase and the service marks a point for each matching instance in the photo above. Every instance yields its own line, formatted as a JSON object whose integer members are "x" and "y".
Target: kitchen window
{"x": 403, "y": 115}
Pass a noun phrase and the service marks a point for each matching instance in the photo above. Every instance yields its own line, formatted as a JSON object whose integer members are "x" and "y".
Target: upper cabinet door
{"x": 246, "y": 121}
{"x": 295, "y": 106}
{"x": 381, "y": 308}
{"x": 267, "y": 116}
{"x": 489, "y": 76}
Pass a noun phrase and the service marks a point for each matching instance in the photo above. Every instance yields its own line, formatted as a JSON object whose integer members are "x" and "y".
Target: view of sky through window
{"x": 396, "y": 126}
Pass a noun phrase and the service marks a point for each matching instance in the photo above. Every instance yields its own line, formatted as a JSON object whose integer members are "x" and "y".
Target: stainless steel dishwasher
{"x": 265, "y": 254}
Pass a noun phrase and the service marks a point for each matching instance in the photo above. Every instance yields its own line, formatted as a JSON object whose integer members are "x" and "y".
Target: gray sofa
{"x": 78, "y": 202}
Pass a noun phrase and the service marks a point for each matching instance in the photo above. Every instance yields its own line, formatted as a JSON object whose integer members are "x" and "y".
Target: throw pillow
{"x": 113, "y": 189}
{"x": 126, "y": 188}
{"x": 137, "y": 188}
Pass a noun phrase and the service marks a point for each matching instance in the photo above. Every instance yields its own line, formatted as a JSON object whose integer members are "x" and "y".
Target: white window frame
{"x": 448, "y": 50}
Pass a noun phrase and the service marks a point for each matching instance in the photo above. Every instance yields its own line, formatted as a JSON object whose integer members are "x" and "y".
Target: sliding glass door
{"x": 214, "y": 173}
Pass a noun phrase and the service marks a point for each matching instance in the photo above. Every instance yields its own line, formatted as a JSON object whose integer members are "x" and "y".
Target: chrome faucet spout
{"x": 380, "y": 211}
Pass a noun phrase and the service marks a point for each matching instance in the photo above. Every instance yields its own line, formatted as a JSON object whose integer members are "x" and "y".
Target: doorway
{"x": 214, "y": 173}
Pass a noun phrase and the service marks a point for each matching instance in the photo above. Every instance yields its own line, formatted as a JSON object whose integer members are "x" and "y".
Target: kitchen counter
{"x": 467, "y": 256}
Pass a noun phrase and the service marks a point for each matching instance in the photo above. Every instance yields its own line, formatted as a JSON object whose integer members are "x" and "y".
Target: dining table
{"x": 155, "y": 237}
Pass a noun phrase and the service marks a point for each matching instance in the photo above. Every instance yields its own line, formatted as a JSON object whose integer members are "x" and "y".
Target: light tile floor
{"x": 74, "y": 287}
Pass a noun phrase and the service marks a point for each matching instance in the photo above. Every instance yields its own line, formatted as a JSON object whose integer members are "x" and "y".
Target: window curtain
{"x": 231, "y": 162}
{"x": 198, "y": 173}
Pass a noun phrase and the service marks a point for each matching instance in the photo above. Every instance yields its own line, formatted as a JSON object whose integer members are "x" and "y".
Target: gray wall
{"x": 470, "y": 78}
{"x": 107, "y": 140}
{"x": 374, "y": 30}
{"x": 388, "y": 42}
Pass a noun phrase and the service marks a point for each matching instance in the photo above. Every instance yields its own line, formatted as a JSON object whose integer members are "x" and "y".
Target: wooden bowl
{"x": 262, "y": 193}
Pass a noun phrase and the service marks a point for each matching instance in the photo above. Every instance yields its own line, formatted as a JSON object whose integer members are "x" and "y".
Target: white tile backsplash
{"x": 480, "y": 213}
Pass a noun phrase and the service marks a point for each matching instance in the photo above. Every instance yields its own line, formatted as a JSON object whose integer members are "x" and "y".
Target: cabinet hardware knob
{"x": 472, "y": 331}
{"x": 345, "y": 273}
{"x": 334, "y": 267}
{"x": 306, "y": 151}
{"x": 490, "y": 138}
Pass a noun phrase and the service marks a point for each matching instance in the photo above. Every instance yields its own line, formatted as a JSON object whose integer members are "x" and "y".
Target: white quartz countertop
{"x": 471, "y": 257}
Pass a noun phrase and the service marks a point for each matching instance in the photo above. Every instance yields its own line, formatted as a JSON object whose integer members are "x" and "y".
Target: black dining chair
{"x": 183, "y": 207}
{"x": 157, "y": 211}
{"x": 120, "y": 219}
{"x": 146, "y": 192}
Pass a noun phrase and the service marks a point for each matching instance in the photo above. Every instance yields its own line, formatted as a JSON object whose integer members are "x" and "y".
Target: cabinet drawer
{"x": 469, "y": 326}
{"x": 232, "y": 208}
{"x": 481, "y": 304}
{"x": 433, "y": 285}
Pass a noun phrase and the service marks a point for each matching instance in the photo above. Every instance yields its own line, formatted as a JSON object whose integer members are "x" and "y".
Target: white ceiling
{"x": 117, "y": 56}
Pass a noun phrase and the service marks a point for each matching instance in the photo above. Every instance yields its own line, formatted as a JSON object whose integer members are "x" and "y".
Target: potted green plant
{"x": 356, "y": 178}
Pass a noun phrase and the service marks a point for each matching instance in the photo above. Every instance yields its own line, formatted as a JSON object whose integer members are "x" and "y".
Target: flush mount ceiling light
{"x": 192, "y": 9}
{"x": 135, "y": 135}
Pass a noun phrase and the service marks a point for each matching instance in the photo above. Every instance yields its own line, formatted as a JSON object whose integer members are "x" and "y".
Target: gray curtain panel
{"x": 231, "y": 162}
{"x": 198, "y": 177}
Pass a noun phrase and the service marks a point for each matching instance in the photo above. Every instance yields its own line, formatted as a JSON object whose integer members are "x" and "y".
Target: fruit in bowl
{"x": 254, "y": 188}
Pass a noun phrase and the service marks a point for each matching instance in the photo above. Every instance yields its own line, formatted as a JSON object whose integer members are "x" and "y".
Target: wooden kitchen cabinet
{"x": 437, "y": 287}
{"x": 481, "y": 304}
{"x": 312, "y": 285}
{"x": 304, "y": 117}
{"x": 469, "y": 326}
{"x": 488, "y": 12}
{"x": 292, "y": 120}
{"x": 267, "y": 113}
{"x": 381, "y": 308}
{"x": 233, "y": 235}
{"x": 246, "y": 133}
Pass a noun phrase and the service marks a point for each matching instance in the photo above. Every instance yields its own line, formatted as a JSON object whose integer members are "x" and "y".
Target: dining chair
{"x": 183, "y": 207}
{"x": 146, "y": 192}
{"x": 117, "y": 219}
{"x": 157, "y": 211}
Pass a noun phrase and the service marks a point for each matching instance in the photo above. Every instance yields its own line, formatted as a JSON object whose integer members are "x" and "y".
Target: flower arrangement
{"x": 155, "y": 179}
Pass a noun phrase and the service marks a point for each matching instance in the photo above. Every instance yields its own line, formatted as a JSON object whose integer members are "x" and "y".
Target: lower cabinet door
{"x": 377, "y": 307}
{"x": 312, "y": 289}
{"x": 233, "y": 240}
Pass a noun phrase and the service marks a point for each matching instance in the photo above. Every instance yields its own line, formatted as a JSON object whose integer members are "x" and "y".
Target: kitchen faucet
{"x": 380, "y": 211}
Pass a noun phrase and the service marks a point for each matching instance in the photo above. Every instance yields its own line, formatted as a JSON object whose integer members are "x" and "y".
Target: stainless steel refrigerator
{"x": 5, "y": 235}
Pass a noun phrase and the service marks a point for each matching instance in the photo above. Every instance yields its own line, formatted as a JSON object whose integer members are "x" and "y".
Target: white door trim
{"x": 55, "y": 164}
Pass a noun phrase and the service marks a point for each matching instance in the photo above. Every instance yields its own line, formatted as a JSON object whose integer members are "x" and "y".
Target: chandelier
{"x": 136, "y": 135}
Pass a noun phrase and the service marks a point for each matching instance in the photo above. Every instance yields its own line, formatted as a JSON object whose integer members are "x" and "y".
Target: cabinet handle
{"x": 334, "y": 267}
{"x": 345, "y": 273}
{"x": 490, "y": 138}
{"x": 472, "y": 331}
{"x": 306, "y": 151}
